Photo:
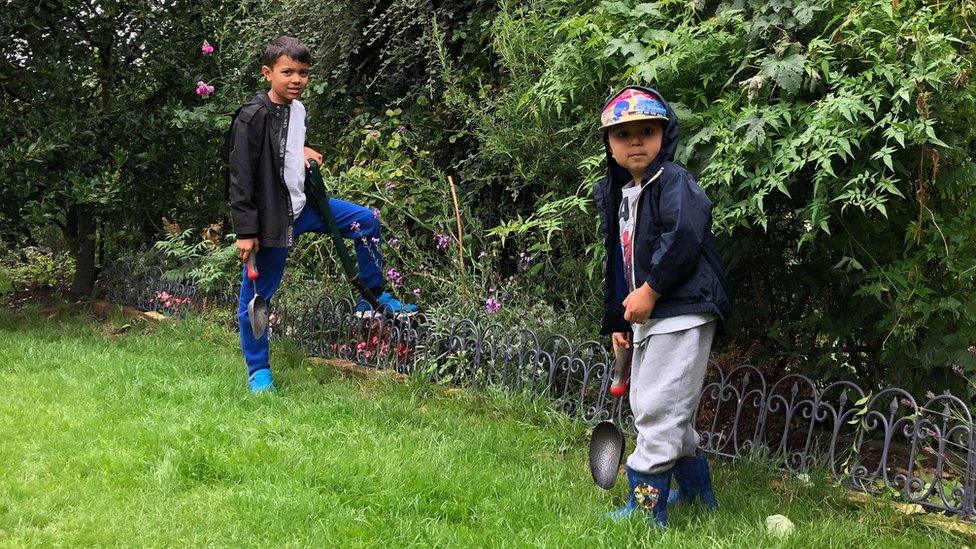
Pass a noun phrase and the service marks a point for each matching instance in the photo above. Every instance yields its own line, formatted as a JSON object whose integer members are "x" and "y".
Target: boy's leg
{"x": 665, "y": 388}
{"x": 270, "y": 263}
{"x": 357, "y": 223}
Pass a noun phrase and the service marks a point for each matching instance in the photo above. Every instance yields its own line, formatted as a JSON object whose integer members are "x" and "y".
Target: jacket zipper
{"x": 283, "y": 142}
{"x": 633, "y": 238}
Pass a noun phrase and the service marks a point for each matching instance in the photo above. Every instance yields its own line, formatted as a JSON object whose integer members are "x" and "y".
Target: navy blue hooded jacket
{"x": 675, "y": 251}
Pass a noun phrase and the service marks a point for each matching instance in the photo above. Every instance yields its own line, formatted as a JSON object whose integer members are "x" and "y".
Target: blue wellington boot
{"x": 695, "y": 479}
{"x": 649, "y": 495}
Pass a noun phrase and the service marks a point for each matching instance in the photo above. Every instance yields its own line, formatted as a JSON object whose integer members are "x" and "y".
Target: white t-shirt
{"x": 628, "y": 220}
{"x": 295, "y": 157}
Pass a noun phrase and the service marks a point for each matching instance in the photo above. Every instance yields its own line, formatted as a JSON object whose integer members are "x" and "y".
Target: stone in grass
{"x": 779, "y": 526}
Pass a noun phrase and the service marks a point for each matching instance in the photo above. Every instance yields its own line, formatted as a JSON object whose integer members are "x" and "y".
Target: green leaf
{"x": 787, "y": 72}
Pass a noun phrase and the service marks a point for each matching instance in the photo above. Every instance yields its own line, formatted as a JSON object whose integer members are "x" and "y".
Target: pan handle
{"x": 621, "y": 371}
{"x": 252, "y": 271}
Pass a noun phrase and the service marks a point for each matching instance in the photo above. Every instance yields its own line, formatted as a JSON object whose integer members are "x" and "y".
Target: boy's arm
{"x": 686, "y": 212}
{"x": 244, "y": 155}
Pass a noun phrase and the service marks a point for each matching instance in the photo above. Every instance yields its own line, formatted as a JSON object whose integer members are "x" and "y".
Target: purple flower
{"x": 354, "y": 227}
{"x": 525, "y": 260}
{"x": 424, "y": 268}
{"x": 482, "y": 254}
{"x": 390, "y": 184}
{"x": 204, "y": 89}
{"x": 207, "y": 49}
{"x": 929, "y": 395}
{"x": 416, "y": 292}
{"x": 393, "y": 243}
{"x": 492, "y": 305}
{"x": 443, "y": 241}
{"x": 958, "y": 370}
{"x": 972, "y": 349}
{"x": 401, "y": 129}
{"x": 376, "y": 213}
{"x": 395, "y": 277}
{"x": 375, "y": 240}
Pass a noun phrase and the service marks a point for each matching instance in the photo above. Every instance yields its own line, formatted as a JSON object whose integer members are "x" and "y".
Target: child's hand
{"x": 639, "y": 304}
{"x": 621, "y": 340}
{"x": 246, "y": 246}
{"x": 311, "y": 154}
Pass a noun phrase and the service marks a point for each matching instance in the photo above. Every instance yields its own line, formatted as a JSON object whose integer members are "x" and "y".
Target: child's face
{"x": 288, "y": 78}
{"x": 635, "y": 145}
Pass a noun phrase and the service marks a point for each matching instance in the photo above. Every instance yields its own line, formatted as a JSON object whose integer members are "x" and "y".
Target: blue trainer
{"x": 388, "y": 305}
{"x": 260, "y": 381}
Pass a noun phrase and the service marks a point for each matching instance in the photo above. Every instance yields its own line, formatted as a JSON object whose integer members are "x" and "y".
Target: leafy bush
{"x": 836, "y": 141}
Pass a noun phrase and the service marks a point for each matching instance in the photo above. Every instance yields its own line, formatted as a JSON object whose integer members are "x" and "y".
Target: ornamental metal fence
{"x": 881, "y": 440}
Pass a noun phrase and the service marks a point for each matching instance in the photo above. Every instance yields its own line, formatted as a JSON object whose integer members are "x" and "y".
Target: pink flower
{"x": 416, "y": 292}
{"x": 207, "y": 49}
{"x": 393, "y": 243}
{"x": 492, "y": 305}
{"x": 394, "y": 276}
{"x": 390, "y": 185}
{"x": 204, "y": 89}
{"x": 355, "y": 227}
{"x": 443, "y": 241}
{"x": 482, "y": 254}
{"x": 375, "y": 240}
{"x": 376, "y": 213}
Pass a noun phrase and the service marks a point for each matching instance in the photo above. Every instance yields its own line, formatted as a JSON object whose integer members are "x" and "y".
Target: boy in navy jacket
{"x": 665, "y": 295}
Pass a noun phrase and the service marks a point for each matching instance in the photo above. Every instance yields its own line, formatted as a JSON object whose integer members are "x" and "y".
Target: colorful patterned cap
{"x": 630, "y": 105}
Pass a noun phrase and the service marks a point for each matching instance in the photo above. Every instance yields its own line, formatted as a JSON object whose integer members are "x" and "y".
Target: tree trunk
{"x": 83, "y": 249}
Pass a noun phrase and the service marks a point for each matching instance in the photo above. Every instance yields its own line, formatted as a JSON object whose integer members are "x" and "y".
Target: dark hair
{"x": 286, "y": 45}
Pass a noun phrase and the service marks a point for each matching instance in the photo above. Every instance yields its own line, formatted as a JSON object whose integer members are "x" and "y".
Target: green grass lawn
{"x": 145, "y": 435}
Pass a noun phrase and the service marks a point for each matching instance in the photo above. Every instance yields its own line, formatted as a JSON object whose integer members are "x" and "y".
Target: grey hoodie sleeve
{"x": 686, "y": 213}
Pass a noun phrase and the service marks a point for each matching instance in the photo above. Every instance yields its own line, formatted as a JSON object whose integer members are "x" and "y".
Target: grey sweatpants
{"x": 666, "y": 379}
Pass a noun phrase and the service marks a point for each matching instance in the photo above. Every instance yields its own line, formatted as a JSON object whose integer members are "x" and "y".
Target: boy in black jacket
{"x": 268, "y": 158}
{"x": 664, "y": 295}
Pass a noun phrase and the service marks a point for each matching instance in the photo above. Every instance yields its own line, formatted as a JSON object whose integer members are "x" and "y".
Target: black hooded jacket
{"x": 675, "y": 251}
{"x": 259, "y": 199}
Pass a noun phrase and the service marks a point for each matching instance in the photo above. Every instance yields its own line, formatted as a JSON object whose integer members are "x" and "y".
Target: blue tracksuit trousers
{"x": 354, "y": 221}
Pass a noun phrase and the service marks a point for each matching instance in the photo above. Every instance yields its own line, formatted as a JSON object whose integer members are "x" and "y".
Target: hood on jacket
{"x": 617, "y": 175}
